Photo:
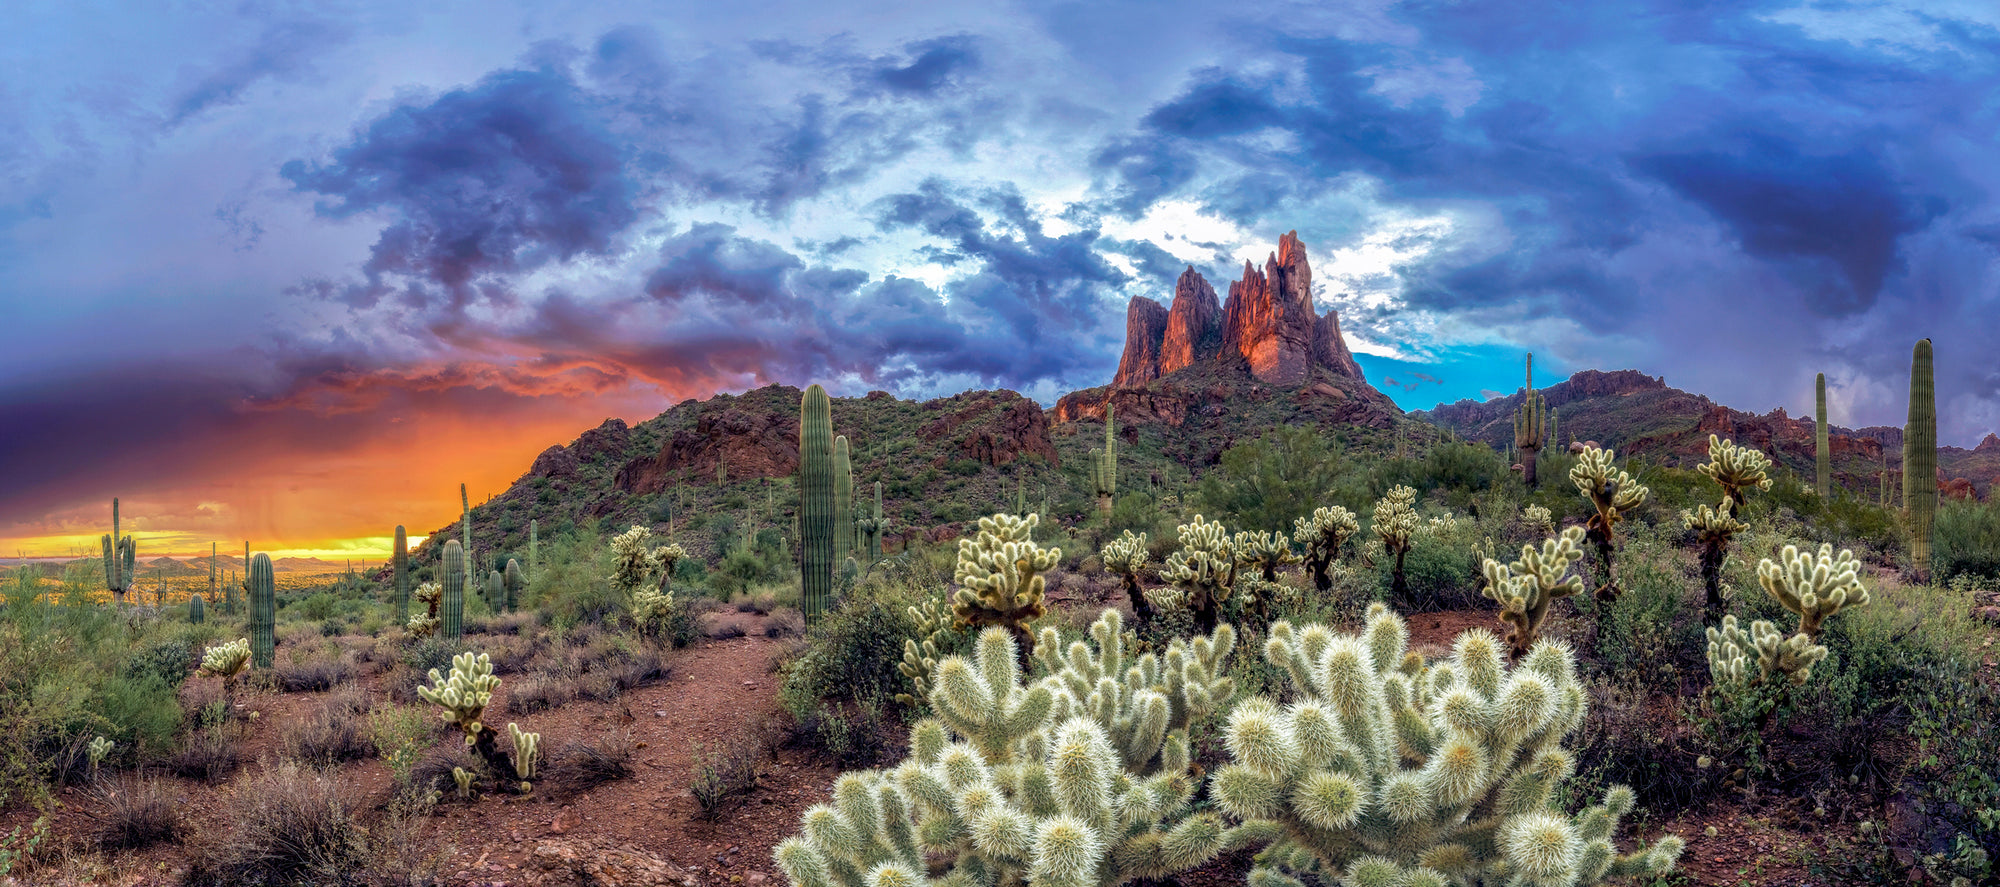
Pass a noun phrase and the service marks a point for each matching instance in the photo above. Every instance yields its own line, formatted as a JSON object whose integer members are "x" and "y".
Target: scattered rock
{"x": 605, "y": 863}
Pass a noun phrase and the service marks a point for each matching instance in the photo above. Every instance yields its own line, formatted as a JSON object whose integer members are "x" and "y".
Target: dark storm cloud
{"x": 1834, "y": 221}
{"x": 502, "y": 177}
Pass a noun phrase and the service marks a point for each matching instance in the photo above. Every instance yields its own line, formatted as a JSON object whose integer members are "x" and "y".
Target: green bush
{"x": 139, "y": 712}
{"x": 1266, "y": 483}
{"x": 1966, "y": 540}
{"x": 170, "y": 660}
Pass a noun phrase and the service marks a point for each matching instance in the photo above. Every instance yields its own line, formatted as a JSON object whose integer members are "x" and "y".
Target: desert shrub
{"x": 579, "y": 765}
{"x": 853, "y": 651}
{"x": 1266, "y": 483}
{"x": 539, "y": 692}
{"x": 741, "y": 570}
{"x": 399, "y": 734}
{"x": 287, "y": 826}
{"x": 1460, "y": 468}
{"x": 133, "y": 814}
{"x": 432, "y": 772}
{"x": 140, "y": 712}
{"x": 423, "y": 654}
{"x": 1649, "y": 638}
{"x": 1966, "y": 540}
{"x": 785, "y": 623}
{"x": 725, "y": 775}
{"x": 169, "y": 659}
{"x": 336, "y": 733}
{"x": 1440, "y": 569}
{"x": 207, "y": 755}
{"x": 315, "y": 674}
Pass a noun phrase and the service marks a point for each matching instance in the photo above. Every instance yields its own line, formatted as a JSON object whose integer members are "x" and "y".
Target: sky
{"x": 290, "y": 272}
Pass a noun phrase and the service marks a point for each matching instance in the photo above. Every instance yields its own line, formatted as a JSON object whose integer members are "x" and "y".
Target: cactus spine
{"x": 816, "y": 558}
{"x": 1920, "y": 459}
{"x": 514, "y": 581}
{"x": 402, "y": 578}
{"x": 263, "y": 611}
{"x": 1528, "y": 426}
{"x": 451, "y": 607}
{"x": 195, "y": 610}
{"x": 843, "y": 500}
{"x": 120, "y": 553}
{"x": 1104, "y": 467}
{"x": 1822, "y": 449}
{"x": 1387, "y": 770}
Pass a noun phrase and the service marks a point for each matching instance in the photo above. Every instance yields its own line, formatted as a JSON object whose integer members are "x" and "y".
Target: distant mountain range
{"x": 1195, "y": 377}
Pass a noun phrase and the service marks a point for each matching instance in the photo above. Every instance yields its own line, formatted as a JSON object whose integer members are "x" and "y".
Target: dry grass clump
{"x": 580, "y": 765}
{"x": 785, "y": 623}
{"x": 133, "y": 814}
{"x": 209, "y": 754}
{"x": 289, "y": 825}
{"x": 334, "y": 734}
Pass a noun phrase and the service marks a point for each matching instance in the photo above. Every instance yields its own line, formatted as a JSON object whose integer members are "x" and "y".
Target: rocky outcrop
{"x": 556, "y": 461}
{"x": 746, "y": 442}
{"x": 608, "y": 440}
{"x": 1194, "y": 324}
{"x": 1269, "y": 318}
{"x": 1268, "y": 322}
{"x": 1145, "y": 333}
{"x": 991, "y": 428}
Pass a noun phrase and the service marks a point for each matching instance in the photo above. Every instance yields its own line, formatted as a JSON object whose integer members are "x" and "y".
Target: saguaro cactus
{"x": 494, "y": 589}
{"x": 465, "y": 526}
{"x": 1612, "y": 493}
{"x": 402, "y": 576}
{"x": 451, "y": 606}
{"x": 214, "y": 577}
{"x": 1530, "y": 426}
{"x": 816, "y": 560}
{"x": 843, "y": 500}
{"x": 120, "y": 553}
{"x": 1822, "y": 449}
{"x": 196, "y": 615}
{"x": 1323, "y": 534}
{"x": 1920, "y": 459}
{"x": 1387, "y": 770}
{"x": 535, "y": 548}
{"x": 514, "y": 580}
{"x": 1104, "y": 467}
{"x": 874, "y": 526}
{"x": 263, "y": 611}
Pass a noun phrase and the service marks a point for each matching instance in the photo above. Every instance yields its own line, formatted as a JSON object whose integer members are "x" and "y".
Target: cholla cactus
{"x": 1264, "y": 551}
{"x": 1526, "y": 587}
{"x": 1202, "y": 572}
{"x": 636, "y": 564}
{"x": 464, "y": 693}
{"x": 1813, "y": 587}
{"x": 1612, "y": 493}
{"x": 98, "y": 748}
{"x": 1730, "y": 651}
{"x": 1395, "y": 525}
{"x": 1126, "y": 556}
{"x": 1539, "y": 519}
{"x": 1735, "y": 468}
{"x": 464, "y": 778}
{"x": 424, "y": 622}
{"x": 1322, "y": 535}
{"x": 1147, "y": 713}
{"x": 229, "y": 661}
{"x": 934, "y": 627}
{"x": 999, "y": 576}
{"x": 527, "y": 746}
{"x": 650, "y": 607}
{"x": 1027, "y": 796}
{"x": 1390, "y": 771}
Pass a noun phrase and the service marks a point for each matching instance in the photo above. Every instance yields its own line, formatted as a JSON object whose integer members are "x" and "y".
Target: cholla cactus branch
{"x": 1391, "y": 771}
{"x": 1813, "y": 587}
{"x": 1322, "y": 535}
{"x": 934, "y": 624}
{"x": 1735, "y": 468}
{"x": 1526, "y": 587}
{"x": 999, "y": 576}
{"x": 1266, "y": 552}
{"x": 424, "y": 622}
{"x": 1395, "y": 525}
{"x": 1730, "y": 651}
{"x": 1126, "y": 556}
{"x": 463, "y": 694}
{"x": 1611, "y": 493}
{"x": 1202, "y": 572}
{"x": 1039, "y": 793}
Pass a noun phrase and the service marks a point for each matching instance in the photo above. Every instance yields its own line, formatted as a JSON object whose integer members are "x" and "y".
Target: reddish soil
{"x": 644, "y": 829}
